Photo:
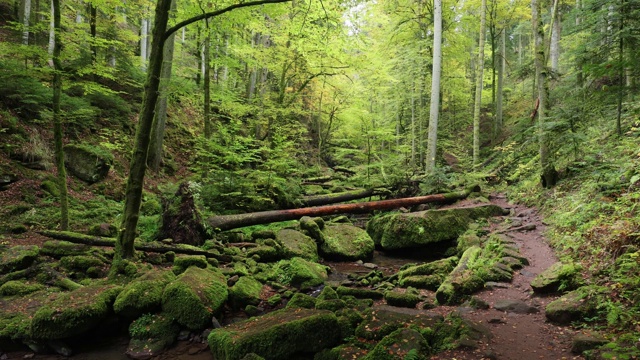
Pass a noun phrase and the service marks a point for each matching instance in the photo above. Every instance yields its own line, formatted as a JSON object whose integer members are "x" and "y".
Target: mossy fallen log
{"x": 148, "y": 247}
{"x": 325, "y": 199}
{"x": 228, "y": 222}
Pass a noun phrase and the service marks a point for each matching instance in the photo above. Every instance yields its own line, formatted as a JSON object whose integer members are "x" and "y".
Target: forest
{"x": 320, "y": 179}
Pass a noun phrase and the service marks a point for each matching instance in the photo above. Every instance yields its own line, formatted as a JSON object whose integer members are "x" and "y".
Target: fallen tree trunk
{"x": 148, "y": 247}
{"x": 228, "y": 222}
{"x": 326, "y": 199}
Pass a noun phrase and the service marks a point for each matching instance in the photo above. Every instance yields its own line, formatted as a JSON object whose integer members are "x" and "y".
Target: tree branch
{"x": 184, "y": 23}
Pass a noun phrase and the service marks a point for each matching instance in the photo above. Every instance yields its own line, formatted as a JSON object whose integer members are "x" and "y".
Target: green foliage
{"x": 21, "y": 91}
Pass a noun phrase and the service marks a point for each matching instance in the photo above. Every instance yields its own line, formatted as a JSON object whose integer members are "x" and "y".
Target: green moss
{"x": 151, "y": 334}
{"x": 328, "y": 293}
{"x": 143, "y": 295}
{"x": 265, "y": 253}
{"x": 183, "y": 262}
{"x": 360, "y": 293}
{"x": 557, "y": 277}
{"x": 300, "y": 273}
{"x": 246, "y": 291}
{"x": 277, "y": 335}
{"x": 194, "y": 297}
{"x": 80, "y": 262}
{"x": 345, "y": 242}
{"x": 19, "y": 287}
{"x": 380, "y": 321}
{"x": 50, "y": 187}
{"x": 17, "y": 258}
{"x": 74, "y": 313}
{"x": 58, "y": 249}
{"x": 274, "y": 300}
{"x": 399, "y": 299}
{"x": 300, "y": 300}
{"x": 297, "y": 244}
{"x": 331, "y": 305}
{"x": 400, "y": 344}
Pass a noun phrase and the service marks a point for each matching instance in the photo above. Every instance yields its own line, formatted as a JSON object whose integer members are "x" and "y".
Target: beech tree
{"x": 435, "y": 84}
{"x": 479, "y": 85}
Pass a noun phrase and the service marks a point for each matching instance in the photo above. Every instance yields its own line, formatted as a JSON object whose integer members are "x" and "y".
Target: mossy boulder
{"x": 427, "y": 276}
{"x": 573, "y": 306}
{"x": 300, "y": 273}
{"x": 265, "y": 253}
{"x": 277, "y": 335}
{"x": 151, "y": 335}
{"x": 246, "y": 291}
{"x": 331, "y": 305}
{"x": 16, "y": 312}
{"x": 401, "y": 299}
{"x": 328, "y": 293}
{"x": 19, "y": 287}
{"x": 380, "y": 321}
{"x": 74, "y": 312}
{"x": 301, "y": 300}
{"x": 419, "y": 229}
{"x": 183, "y": 262}
{"x": 80, "y": 262}
{"x": 88, "y": 163}
{"x": 193, "y": 297}
{"x": 104, "y": 230}
{"x": 462, "y": 280}
{"x": 400, "y": 345}
{"x": 313, "y": 228}
{"x": 557, "y": 277}
{"x": 17, "y": 258}
{"x": 345, "y": 242}
{"x": 144, "y": 294}
{"x": 359, "y": 293}
{"x": 297, "y": 244}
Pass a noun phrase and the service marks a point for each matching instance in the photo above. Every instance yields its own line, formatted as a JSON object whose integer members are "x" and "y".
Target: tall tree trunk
{"x": 52, "y": 35}
{"x": 413, "y": 124}
{"x": 548, "y": 172}
{"x": 25, "y": 17}
{"x": 93, "y": 14}
{"x": 159, "y": 124}
{"x": 435, "y": 85}
{"x": 57, "y": 121}
{"x": 554, "y": 53}
{"x": 143, "y": 42}
{"x": 621, "y": 80}
{"x": 208, "y": 127}
{"x": 198, "y": 54}
{"x": 479, "y": 83}
{"x": 501, "y": 68}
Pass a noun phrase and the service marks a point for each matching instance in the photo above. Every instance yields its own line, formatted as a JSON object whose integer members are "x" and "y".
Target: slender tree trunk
{"x": 57, "y": 121}
{"x": 413, "y": 125}
{"x": 208, "y": 127}
{"x": 26, "y": 16}
{"x": 554, "y": 53}
{"x": 143, "y": 43}
{"x": 198, "y": 54}
{"x": 479, "y": 83}
{"x": 501, "y": 68}
{"x": 435, "y": 86}
{"x": 548, "y": 172}
{"x": 93, "y": 14}
{"x": 159, "y": 124}
{"x": 52, "y": 35}
{"x": 621, "y": 80}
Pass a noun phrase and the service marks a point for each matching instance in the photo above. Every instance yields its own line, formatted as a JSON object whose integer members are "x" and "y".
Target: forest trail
{"x": 518, "y": 336}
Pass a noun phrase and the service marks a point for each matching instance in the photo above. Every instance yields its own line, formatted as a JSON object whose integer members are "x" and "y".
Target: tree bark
{"x": 208, "y": 129}
{"x": 148, "y": 247}
{"x": 227, "y": 222}
{"x": 479, "y": 83}
{"x": 435, "y": 85}
{"x": 57, "y": 121}
{"x": 338, "y": 197}
{"x": 501, "y": 68}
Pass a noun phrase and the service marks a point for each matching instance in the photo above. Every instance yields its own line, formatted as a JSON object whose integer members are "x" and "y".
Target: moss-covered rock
{"x": 300, "y": 273}
{"x": 246, "y": 291}
{"x": 151, "y": 335}
{"x": 401, "y": 299}
{"x": 19, "y": 287}
{"x": 573, "y": 306}
{"x": 427, "y": 276}
{"x": 328, "y": 293}
{"x": 297, "y": 244}
{"x": 277, "y": 335}
{"x": 104, "y": 230}
{"x": 193, "y": 297}
{"x": 345, "y": 242}
{"x": 183, "y": 262}
{"x": 410, "y": 230}
{"x": 58, "y": 249}
{"x": 300, "y": 300}
{"x": 80, "y": 262}
{"x": 74, "y": 313}
{"x": 143, "y": 295}
{"x": 462, "y": 280}
{"x": 88, "y": 163}
{"x": 359, "y": 293}
{"x": 380, "y": 321}
{"x": 265, "y": 253}
{"x": 17, "y": 258}
{"x": 400, "y": 345}
{"x": 331, "y": 305}
{"x": 557, "y": 277}
{"x": 17, "y": 311}
{"x": 313, "y": 228}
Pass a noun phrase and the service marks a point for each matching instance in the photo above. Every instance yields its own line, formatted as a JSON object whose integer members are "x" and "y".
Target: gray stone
{"x": 491, "y": 285}
{"x": 572, "y": 306}
{"x": 346, "y": 242}
{"x": 60, "y": 348}
{"x": 584, "y": 342}
{"x": 515, "y": 306}
{"x": 555, "y": 277}
{"x": 370, "y": 265}
{"x": 87, "y": 163}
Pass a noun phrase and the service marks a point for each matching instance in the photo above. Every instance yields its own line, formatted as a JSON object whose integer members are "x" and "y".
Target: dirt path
{"x": 519, "y": 336}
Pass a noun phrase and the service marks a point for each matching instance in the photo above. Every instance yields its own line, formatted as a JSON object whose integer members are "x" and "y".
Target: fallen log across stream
{"x": 325, "y": 199}
{"x": 148, "y": 247}
{"x": 228, "y": 222}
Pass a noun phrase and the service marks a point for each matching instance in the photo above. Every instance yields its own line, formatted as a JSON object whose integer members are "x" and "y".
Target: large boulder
{"x": 573, "y": 306}
{"x": 299, "y": 272}
{"x": 557, "y": 277}
{"x": 419, "y": 229}
{"x": 400, "y": 344}
{"x": 427, "y": 276}
{"x": 297, "y": 244}
{"x": 345, "y": 242}
{"x": 277, "y": 335}
{"x": 17, "y": 258}
{"x": 151, "y": 335}
{"x": 144, "y": 294}
{"x": 193, "y": 297}
{"x": 87, "y": 163}
{"x": 246, "y": 291}
{"x": 74, "y": 313}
